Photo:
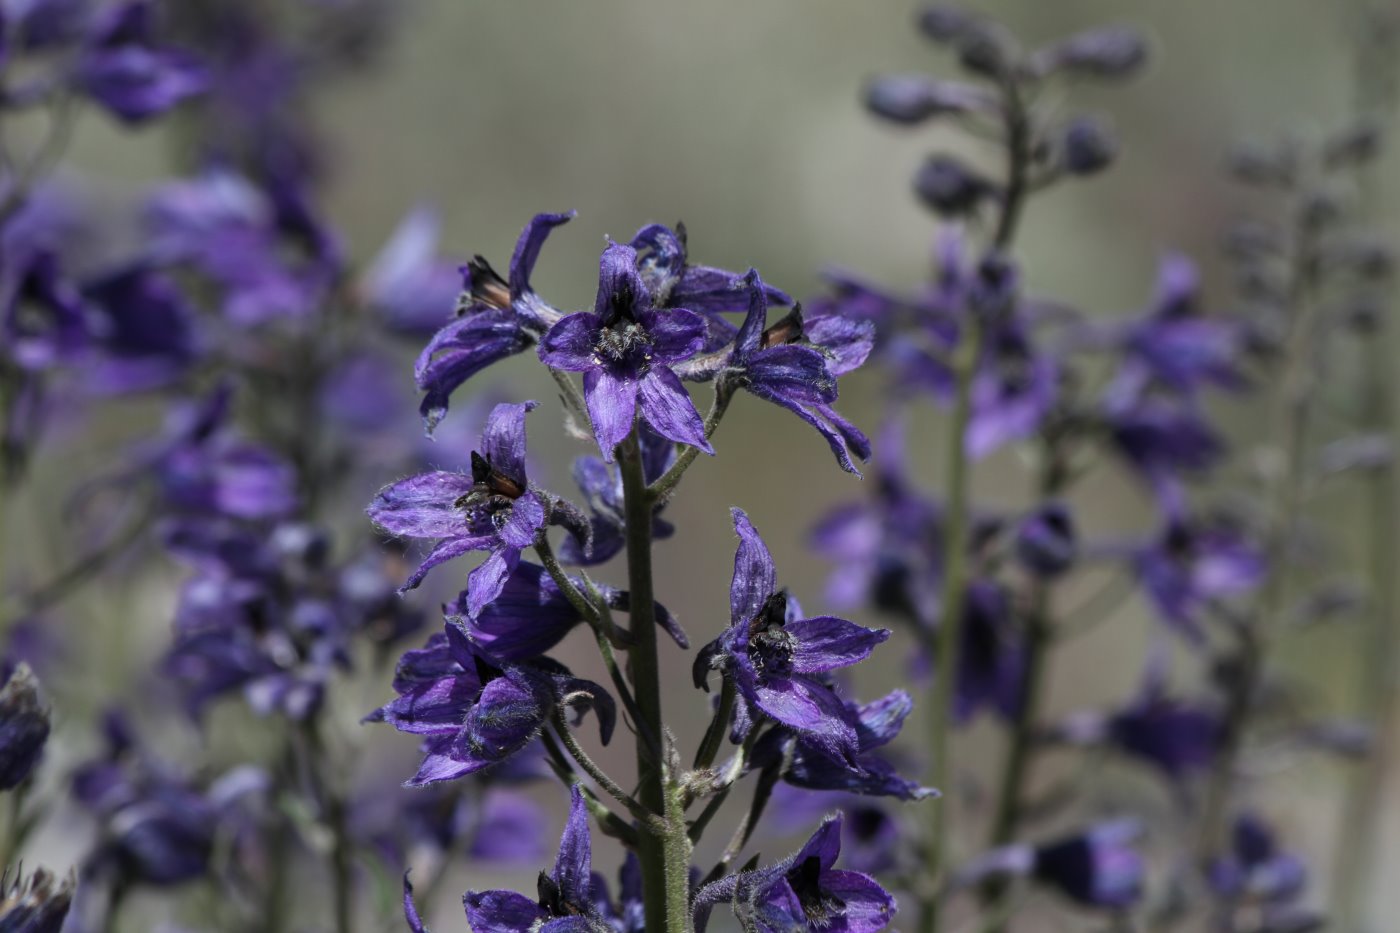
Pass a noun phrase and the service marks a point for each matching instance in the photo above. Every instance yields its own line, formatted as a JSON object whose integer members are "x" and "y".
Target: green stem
{"x": 719, "y": 725}
{"x": 591, "y": 768}
{"x": 665, "y": 873}
{"x": 332, "y": 807}
{"x": 1356, "y": 854}
{"x": 665, "y": 485}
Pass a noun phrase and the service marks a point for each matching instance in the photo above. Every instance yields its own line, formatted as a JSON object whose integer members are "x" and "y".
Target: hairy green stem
{"x": 665, "y": 877}
{"x": 591, "y": 768}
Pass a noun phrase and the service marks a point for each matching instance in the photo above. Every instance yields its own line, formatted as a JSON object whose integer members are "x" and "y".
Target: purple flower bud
{"x": 125, "y": 71}
{"x": 912, "y": 99}
{"x": 24, "y": 727}
{"x": 947, "y": 23}
{"x": 951, "y": 189}
{"x": 1089, "y": 146}
{"x": 1046, "y": 543}
{"x": 1107, "y": 52}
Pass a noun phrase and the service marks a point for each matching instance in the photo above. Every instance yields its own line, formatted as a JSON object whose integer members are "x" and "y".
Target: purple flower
{"x": 1194, "y": 563}
{"x": 1164, "y": 439}
{"x": 531, "y": 615}
{"x": 771, "y": 363}
{"x": 813, "y": 764}
{"x": 1013, "y": 390}
{"x": 497, "y": 318}
{"x": 24, "y": 727}
{"x": 1097, "y": 868}
{"x": 123, "y": 69}
{"x": 992, "y": 659}
{"x": 1108, "y": 52}
{"x": 601, "y": 486}
{"x": 494, "y": 509}
{"x": 565, "y": 894}
{"x": 911, "y": 99}
{"x": 885, "y": 550}
{"x": 628, "y": 914}
{"x": 473, "y": 713}
{"x": 675, "y": 282}
{"x": 407, "y": 283}
{"x": 803, "y": 892}
{"x": 775, "y": 659}
{"x": 872, "y": 833}
{"x": 144, "y": 331}
{"x": 43, "y": 316}
{"x": 623, "y": 348}
{"x": 36, "y": 904}
{"x": 1256, "y": 869}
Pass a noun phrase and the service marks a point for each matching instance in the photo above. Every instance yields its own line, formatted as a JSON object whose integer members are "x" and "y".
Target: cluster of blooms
{"x": 239, "y": 314}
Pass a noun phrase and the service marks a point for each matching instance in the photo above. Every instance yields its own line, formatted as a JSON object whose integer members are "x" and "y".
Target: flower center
{"x": 770, "y": 644}
{"x": 821, "y": 908}
{"x": 625, "y": 342}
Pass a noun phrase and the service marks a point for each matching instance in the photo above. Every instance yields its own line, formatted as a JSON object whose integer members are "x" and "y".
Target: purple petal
{"x": 502, "y": 912}
{"x": 422, "y": 506}
{"x": 865, "y": 906}
{"x": 826, "y": 643}
{"x": 573, "y": 868}
{"x": 410, "y": 910}
{"x": 526, "y": 619}
{"x": 824, "y": 846}
{"x": 527, "y": 250}
{"x": 755, "y": 578}
{"x": 675, "y": 335}
{"x": 751, "y": 331}
{"x": 834, "y": 439}
{"x": 709, "y": 290}
{"x": 667, "y": 407}
{"x": 808, "y": 707}
{"x": 570, "y": 344}
{"x": 503, "y": 439}
{"x": 620, "y": 285}
{"x": 487, "y": 580}
{"x": 526, "y": 519}
{"x": 446, "y": 550}
{"x": 461, "y": 350}
{"x": 879, "y": 721}
{"x": 612, "y": 406}
{"x": 507, "y": 716}
{"x": 795, "y": 372}
{"x": 846, "y": 342}
{"x": 433, "y": 708}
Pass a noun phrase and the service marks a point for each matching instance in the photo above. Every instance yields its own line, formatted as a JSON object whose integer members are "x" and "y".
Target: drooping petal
{"x": 432, "y": 708}
{"x": 796, "y": 372}
{"x": 612, "y": 405}
{"x": 573, "y": 868}
{"x": 446, "y": 550}
{"x": 826, "y": 643}
{"x": 865, "y": 906}
{"x": 503, "y": 439}
{"x": 806, "y": 706}
{"x": 410, "y": 909}
{"x": 527, "y": 250}
{"x": 834, "y": 439}
{"x": 667, "y": 407}
{"x": 485, "y": 583}
{"x": 712, "y": 291}
{"x": 755, "y": 577}
{"x": 570, "y": 344}
{"x": 846, "y": 343}
{"x": 422, "y": 506}
{"x": 461, "y": 350}
{"x": 879, "y": 721}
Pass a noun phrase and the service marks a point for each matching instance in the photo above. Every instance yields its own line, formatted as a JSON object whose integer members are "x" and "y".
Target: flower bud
{"x": 24, "y": 727}
{"x": 945, "y": 23}
{"x": 911, "y": 99}
{"x": 1089, "y": 146}
{"x": 1111, "y": 52}
{"x": 950, "y": 188}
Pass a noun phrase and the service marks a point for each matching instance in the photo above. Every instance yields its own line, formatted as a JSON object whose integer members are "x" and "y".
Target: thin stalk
{"x": 947, "y": 641}
{"x": 1292, "y": 420}
{"x": 332, "y": 807}
{"x": 1379, "y": 699}
{"x": 719, "y": 725}
{"x": 665, "y": 878}
{"x": 593, "y": 770}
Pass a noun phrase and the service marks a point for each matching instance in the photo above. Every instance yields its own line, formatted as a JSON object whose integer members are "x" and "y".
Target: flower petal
{"x": 612, "y": 405}
{"x": 667, "y": 407}
{"x": 422, "y": 506}
{"x": 503, "y": 439}
{"x": 826, "y": 643}
{"x": 570, "y": 344}
{"x": 526, "y": 519}
{"x": 675, "y": 334}
{"x": 527, "y": 250}
{"x": 502, "y": 912}
{"x": 489, "y": 578}
{"x": 574, "y": 866}
{"x": 755, "y": 577}
{"x": 620, "y": 286}
{"x": 445, "y": 551}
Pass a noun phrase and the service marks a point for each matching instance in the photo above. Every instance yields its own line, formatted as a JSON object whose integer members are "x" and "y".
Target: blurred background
{"x": 743, "y": 120}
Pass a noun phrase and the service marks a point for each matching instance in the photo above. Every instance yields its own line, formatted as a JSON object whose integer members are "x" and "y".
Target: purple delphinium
{"x": 1256, "y": 875}
{"x": 564, "y": 901}
{"x": 775, "y": 659}
{"x": 124, "y": 70}
{"x": 1193, "y": 564}
{"x": 1096, "y": 868}
{"x": 601, "y": 486}
{"x": 496, "y": 318}
{"x": 624, "y": 347}
{"x": 473, "y": 712}
{"x": 814, "y": 765}
{"x": 493, "y": 509}
{"x": 992, "y": 660}
{"x": 794, "y": 364}
{"x": 803, "y": 892}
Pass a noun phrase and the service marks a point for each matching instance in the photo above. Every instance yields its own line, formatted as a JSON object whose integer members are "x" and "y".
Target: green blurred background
{"x": 742, "y": 118}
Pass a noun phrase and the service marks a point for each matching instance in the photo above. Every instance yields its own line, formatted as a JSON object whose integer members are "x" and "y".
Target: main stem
{"x": 947, "y": 641}
{"x": 664, "y": 856}
{"x": 1290, "y": 433}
